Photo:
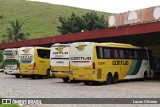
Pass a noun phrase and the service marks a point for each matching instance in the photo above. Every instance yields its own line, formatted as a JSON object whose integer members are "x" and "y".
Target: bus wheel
{"x": 115, "y": 78}
{"x": 48, "y": 73}
{"x": 40, "y": 77}
{"x": 17, "y": 76}
{"x": 145, "y": 76}
{"x": 24, "y": 76}
{"x": 33, "y": 76}
{"x": 95, "y": 83}
{"x": 109, "y": 78}
{"x": 65, "y": 80}
{"x": 87, "y": 82}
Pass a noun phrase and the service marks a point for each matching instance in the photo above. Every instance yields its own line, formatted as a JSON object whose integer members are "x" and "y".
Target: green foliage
{"x": 1, "y": 56}
{"x": 71, "y": 24}
{"x": 41, "y": 19}
{"x": 75, "y": 23}
{"x": 92, "y": 21}
{"x": 14, "y": 32}
{"x": 9, "y": 105}
{"x": 1, "y": 59}
{"x": 1, "y": 16}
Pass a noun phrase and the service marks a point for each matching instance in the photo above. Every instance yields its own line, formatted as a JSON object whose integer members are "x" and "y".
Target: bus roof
{"x": 36, "y": 47}
{"x": 10, "y": 49}
{"x": 58, "y": 44}
{"x": 112, "y": 44}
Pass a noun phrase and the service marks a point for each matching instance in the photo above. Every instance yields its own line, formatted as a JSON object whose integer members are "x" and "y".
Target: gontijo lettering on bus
{"x": 115, "y": 62}
{"x": 80, "y": 58}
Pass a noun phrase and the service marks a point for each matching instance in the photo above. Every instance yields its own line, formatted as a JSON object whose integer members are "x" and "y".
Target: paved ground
{"x": 11, "y": 87}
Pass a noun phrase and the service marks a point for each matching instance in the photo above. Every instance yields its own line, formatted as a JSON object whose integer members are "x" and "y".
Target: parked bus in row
{"x": 11, "y": 64}
{"x": 59, "y": 61}
{"x": 35, "y": 62}
{"x": 108, "y": 62}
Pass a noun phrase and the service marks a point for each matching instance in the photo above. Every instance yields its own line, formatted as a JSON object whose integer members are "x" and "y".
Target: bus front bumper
{"x": 11, "y": 72}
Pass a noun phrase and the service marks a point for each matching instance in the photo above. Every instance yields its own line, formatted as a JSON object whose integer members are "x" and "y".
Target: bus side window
{"x": 99, "y": 52}
{"x": 140, "y": 54}
{"x": 132, "y": 54}
{"x": 116, "y": 53}
{"x": 107, "y": 53}
{"x": 126, "y": 54}
{"x": 135, "y": 54}
{"x": 121, "y": 53}
{"x": 112, "y": 53}
{"x": 43, "y": 53}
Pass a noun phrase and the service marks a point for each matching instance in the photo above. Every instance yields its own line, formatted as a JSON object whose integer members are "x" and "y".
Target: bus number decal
{"x": 101, "y": 63}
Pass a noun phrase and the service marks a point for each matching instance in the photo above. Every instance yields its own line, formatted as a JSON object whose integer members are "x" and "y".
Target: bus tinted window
{"x": 126, "y": 54}
{"x": 99, "y": 52}
{"x": 116, "y": 53}
{"x": 43, "y": 53}
{"x": 107, "y": 53}
{"x": 132, "y": 55}
{"x": 121, "y": 53}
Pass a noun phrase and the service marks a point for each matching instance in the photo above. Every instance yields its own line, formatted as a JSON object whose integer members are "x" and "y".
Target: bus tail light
{"x": 34, "y": 66}
{"x": 93, "y": 68}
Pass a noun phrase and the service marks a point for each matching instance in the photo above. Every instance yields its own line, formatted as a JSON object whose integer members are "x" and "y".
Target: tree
{"x": 14, "y": 32}
{"x": 74, "y": 23}
{"x": 93, "y": 21}
{"x": 71, "y": 24}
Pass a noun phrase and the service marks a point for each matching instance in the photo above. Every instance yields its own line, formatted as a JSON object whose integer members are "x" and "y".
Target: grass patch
{"x": 9, "y": 105}
{"x": 40, "y": 19}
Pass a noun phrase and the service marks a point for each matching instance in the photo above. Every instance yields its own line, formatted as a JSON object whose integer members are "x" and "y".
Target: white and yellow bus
{"x": 35, "y": 62}
{"x": 59, "y": 61}
{"x": 107, "y": 62}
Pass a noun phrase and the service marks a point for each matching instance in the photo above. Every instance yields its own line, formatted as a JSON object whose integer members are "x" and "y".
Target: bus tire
{"x": 40, "y": 76}
{"x": 17, "y": 76}
{"x": 115, "y": 78}
{"x": 65, "y": 80}
{"x": 145, "y": 75}
{"x": 24, "y": 76}
{"x": 33, "y": 76}
{"x": 87, "y": 82}
{"x": 48, "y": 73}
{"x": 109, "y": 78}
{"x": 95, "y": 83}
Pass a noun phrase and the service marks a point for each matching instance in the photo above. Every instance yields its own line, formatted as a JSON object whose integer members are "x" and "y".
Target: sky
{"x": 111, "y": 6}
